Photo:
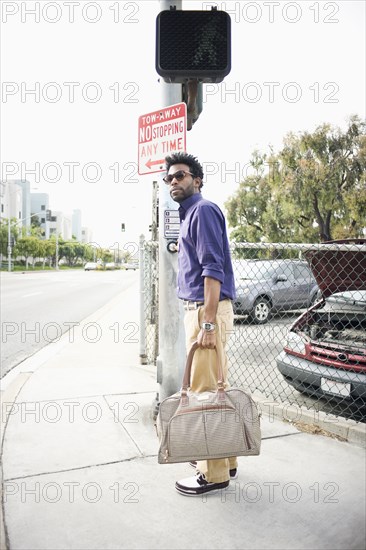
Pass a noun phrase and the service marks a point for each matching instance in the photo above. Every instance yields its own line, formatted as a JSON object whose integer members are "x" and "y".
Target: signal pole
{"x": 204, "y": 57}
{"x": 172, "y": 354}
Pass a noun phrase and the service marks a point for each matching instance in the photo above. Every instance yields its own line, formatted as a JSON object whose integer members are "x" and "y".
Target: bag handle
{"x": 187, "y": 373}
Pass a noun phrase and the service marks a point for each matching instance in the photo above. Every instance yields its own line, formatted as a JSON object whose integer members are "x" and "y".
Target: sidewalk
{"x": 80, "y": 464}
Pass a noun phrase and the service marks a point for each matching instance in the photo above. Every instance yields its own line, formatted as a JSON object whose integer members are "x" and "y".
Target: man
{"x": 206, "y": 286}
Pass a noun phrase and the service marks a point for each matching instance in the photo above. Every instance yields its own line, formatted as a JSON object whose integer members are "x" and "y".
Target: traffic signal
{"x": 123, "y": 227}
{"x": 193, "y": 44}
{"x": 48, "y": 215}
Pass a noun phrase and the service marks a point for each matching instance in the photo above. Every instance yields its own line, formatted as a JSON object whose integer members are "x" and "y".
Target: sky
{"x": 77, "y": 75}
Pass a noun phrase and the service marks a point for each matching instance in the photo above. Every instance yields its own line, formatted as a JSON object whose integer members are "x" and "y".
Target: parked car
{"x": 110, "y": 265}
{"x": 129, "y": 266}
{"x": 325, "y": 351}
{"x": 91, "y": 266}
{"x": 263, "y": 286}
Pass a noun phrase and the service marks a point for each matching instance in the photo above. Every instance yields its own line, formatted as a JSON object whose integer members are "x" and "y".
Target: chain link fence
{"x": 298, "y": 339}
{"x": 149, "y": 303}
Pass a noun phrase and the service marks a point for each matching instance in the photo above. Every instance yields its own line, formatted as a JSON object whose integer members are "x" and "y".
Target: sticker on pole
{"x": 161, "y": 133}
{"x": 171, "y": 224}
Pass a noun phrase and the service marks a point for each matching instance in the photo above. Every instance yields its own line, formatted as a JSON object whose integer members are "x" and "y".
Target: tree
{"x": 106, "y": 255}
{"x": 36, "y": 227}
{"x": 4, "y": 234}
{"x": 73, "y": 251}
{"x": 28, "y": 247}
{"x": 35, "y": 221}
{"x": 246, "y": 208}
{"x": 325, "y": 172}
{"x": 49, "y": 251}
{"x": 313, "y": 189}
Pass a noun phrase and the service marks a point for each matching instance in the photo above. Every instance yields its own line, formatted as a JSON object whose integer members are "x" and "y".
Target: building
{"x": 26, "y": 203}
{"x": 76, "y": 225}
{"x": 86, "y": 235}
{"x": 11, "y": 197}
{"x": 39, "y": 206}
{"x": 61, "y": 225}
{"x": 66, "y": 227}
{"x": 18, "y": 203}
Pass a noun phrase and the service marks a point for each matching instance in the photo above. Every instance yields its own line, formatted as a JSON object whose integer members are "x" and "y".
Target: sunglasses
{"x": 179, "y": 176}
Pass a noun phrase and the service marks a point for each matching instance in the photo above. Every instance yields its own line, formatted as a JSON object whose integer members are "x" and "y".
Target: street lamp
{"x": 9, "y": 245}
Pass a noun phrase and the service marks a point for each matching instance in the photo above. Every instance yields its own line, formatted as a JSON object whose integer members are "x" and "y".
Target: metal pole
{"x": 143, "y": 357}
{"x": 9, "y": 244}
{"x": 155, "y": 269}
{"x": 172, "y": 355}
{"x": 56, "y": 250}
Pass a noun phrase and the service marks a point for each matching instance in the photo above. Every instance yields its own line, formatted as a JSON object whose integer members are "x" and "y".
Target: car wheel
{"x": 261, "y": 311}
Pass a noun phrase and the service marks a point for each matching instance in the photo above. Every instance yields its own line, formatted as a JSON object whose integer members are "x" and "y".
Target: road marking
{"x": 31, "y": 294}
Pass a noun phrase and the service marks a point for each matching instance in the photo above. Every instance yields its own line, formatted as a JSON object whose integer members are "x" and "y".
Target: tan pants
{"x": 204, "y": 374}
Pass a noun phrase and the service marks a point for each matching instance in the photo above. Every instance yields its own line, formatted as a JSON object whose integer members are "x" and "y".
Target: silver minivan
{"x": 263, "y": 286}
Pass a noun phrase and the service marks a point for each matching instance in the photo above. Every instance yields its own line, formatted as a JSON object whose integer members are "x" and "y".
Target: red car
{"x": 325, "y": 353}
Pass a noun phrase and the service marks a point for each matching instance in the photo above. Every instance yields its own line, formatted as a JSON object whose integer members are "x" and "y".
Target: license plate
{"x": 336, "y": 388}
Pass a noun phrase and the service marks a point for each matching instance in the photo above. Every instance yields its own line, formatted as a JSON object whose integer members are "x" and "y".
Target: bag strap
{"x": 187, "y": 372}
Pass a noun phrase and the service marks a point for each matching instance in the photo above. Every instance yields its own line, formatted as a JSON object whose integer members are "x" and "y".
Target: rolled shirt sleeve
{"x": 207, "y": 231}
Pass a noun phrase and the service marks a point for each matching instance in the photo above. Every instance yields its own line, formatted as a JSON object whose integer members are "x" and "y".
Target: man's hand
{"x": 206, "y": 340}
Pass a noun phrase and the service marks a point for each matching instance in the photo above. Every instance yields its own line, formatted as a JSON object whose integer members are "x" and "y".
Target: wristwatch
{"x": 208, "y": 327}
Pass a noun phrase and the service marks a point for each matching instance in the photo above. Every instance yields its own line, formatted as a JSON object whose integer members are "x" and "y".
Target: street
{"x": 38, "y": 307}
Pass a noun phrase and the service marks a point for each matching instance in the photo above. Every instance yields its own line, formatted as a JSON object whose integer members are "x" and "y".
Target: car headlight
{"x": 294, "y": 342}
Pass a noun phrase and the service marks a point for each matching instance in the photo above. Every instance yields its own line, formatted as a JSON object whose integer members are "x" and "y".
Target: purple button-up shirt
{"x": 203, "y": 249}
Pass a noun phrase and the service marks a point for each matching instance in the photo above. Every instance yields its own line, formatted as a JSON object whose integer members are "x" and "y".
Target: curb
{"x": 8, "y": 398}
{"x": 315, "y": 422}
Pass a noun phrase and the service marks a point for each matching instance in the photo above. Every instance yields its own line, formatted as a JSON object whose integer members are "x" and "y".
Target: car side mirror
{"x": 280, "y": 278}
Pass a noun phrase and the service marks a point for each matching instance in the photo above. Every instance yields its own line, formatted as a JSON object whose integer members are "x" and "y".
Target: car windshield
{"x": 246, "y": 271}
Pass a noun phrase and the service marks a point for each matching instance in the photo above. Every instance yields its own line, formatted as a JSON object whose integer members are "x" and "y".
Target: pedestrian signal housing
{"x": 193, "y": 44}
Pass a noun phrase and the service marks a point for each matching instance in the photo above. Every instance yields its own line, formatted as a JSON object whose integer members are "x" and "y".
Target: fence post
{"x": 143, "y": 356}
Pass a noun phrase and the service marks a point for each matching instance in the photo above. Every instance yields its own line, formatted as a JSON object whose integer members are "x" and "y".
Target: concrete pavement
{"x": 80, "y": 471}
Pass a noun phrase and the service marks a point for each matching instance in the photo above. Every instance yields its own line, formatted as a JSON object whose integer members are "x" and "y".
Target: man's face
{"x": 184, "y": 184}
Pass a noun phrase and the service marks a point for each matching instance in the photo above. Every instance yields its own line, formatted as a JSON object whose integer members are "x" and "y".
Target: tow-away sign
{"x": 161, "y": 133}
